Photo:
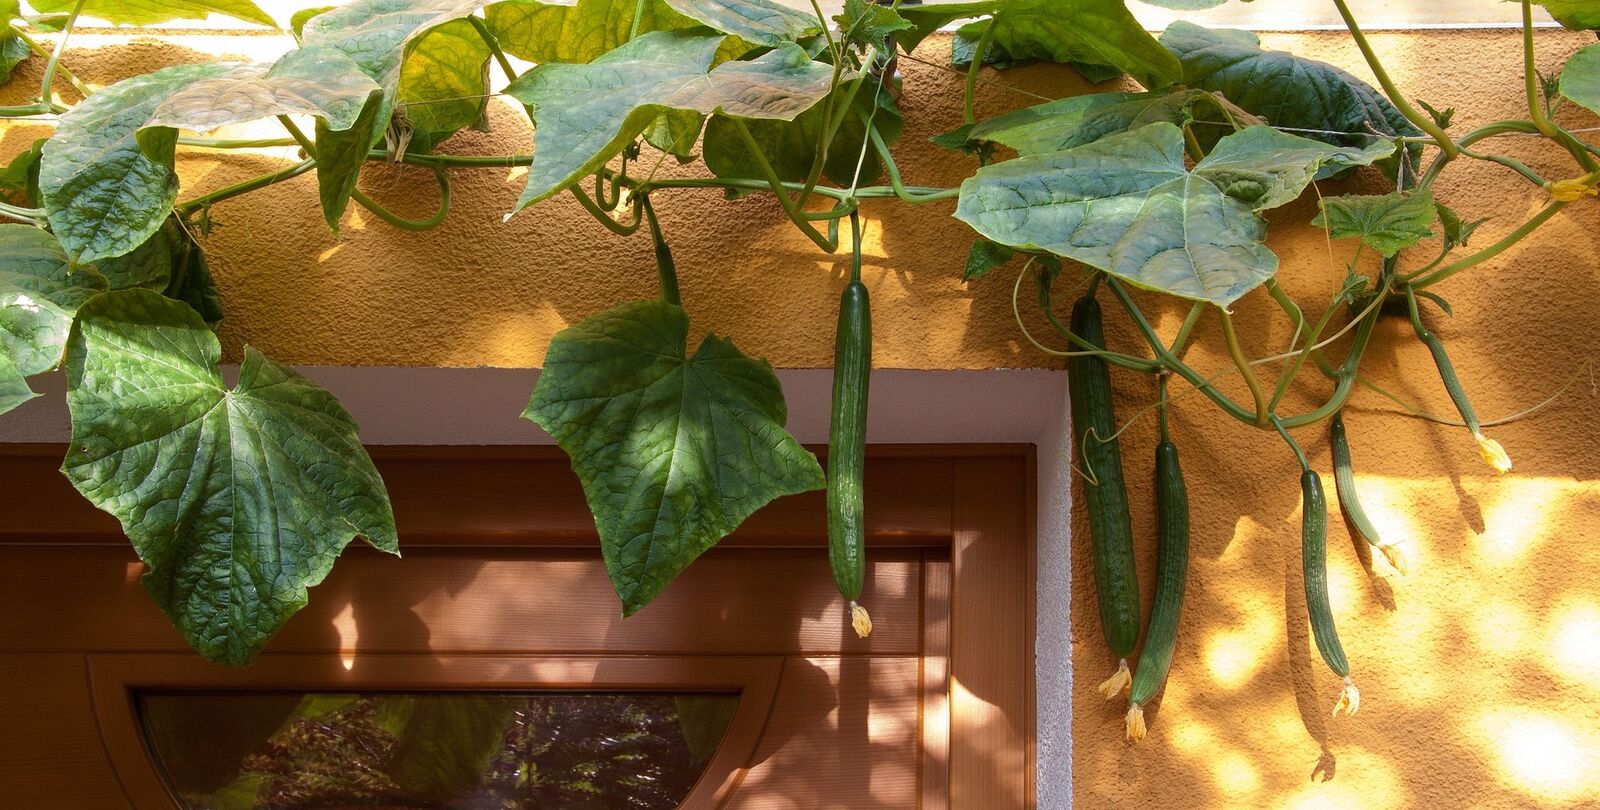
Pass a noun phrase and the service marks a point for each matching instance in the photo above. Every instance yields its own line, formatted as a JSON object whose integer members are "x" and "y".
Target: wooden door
{"x": 501, "y": 601}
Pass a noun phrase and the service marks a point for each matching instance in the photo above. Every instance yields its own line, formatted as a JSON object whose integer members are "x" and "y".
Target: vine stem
{"x": 1422, "y": 122}
{"x": 1491, "y": 251}
{"x": 51, "y": 66}
{"x": 1165, "y": 357}
{"x": 969, "y": 97}
{"x": 207, "y": 200}
{"x": 1536, "y": 110}
{"x": 897, "y": 184}
{"x": 1263, "y": 410}
{"x": 789, "y": 206}
{"x": 666, "y": 268}
{"x": 77, "y": 84}
{"x": 1299, "y": 455}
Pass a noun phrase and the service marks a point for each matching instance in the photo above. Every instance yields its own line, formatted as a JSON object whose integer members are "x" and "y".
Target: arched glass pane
{"x": 474, "y": 751}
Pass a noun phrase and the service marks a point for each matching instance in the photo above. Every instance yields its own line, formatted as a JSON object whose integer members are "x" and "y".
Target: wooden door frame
{"x": 977, "y": 501}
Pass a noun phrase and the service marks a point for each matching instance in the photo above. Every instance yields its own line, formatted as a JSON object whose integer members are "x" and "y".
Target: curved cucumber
{"x": 1172, "y": 568}
{"x": 1093, "y": 425}
{"x": 847, "y": 445}
{"x": 1313, "y": 560}
{"x": 1344, "y": 482}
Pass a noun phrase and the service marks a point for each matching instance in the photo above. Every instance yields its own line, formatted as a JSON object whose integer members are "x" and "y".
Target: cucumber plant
{"x": 1159, "y": 183}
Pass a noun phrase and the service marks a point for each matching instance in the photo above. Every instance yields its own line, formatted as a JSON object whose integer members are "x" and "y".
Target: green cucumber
{"x": 1313, "y": 561}
{"x": 847, "y": 450}
{"x": 1110, "y": 530}
{"x": 1172, "y": 568}
{"x": 1344, "y": 482}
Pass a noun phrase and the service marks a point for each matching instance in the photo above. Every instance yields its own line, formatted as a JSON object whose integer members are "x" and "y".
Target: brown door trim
{"x": 970, "y": 504}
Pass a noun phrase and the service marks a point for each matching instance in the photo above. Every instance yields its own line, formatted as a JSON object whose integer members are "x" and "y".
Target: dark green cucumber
{"x": 1344, "y": 482}
{"x": 847, "y": 442}
{"x": 1100, "y": 462}
{"x": 1172, "y": 568}
{"x": 1313, "y": 561}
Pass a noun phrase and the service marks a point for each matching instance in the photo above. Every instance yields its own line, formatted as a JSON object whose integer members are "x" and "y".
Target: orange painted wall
{"x": 1480, "y": 671}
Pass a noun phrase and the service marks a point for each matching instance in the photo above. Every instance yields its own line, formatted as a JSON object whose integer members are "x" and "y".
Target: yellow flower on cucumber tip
{"x": 1396, "y": 558}
{"x": 1570, "y": 189}
{"x": 1493, "y": 453}
{"x": 860, "y": 621}
{"x": 1135, "y": 723}
{"x": 1349, "y": 699}
{"x": 1118, "y": 682}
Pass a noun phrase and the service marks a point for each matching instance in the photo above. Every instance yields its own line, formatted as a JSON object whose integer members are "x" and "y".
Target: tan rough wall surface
{"x": 1481, "y": 671}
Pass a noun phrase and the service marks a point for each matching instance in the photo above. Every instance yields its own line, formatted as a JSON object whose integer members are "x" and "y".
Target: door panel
{"x": 494, "y": 595}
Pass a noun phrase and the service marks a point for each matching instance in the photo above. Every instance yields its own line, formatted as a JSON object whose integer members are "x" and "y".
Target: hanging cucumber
{"x": 847, "y": 441}
{"x": 1313, "y": 561}
{"x": 1492, "y": 452}
{"x": 1172, "y": 568}
{"x": 1344, "y": 482}
{"x": 1110, "y": 532}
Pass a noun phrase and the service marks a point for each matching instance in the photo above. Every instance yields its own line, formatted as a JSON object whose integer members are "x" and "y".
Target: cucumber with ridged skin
{"x": 1313, "y": 561}
{"x": 1172, "y": 569}
{"x": 847, "y": 446}
{"x": 1106, "y": 497}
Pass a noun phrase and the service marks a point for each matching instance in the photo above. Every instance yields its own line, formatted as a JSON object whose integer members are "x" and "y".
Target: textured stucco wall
{"x": 1480, "y": 671}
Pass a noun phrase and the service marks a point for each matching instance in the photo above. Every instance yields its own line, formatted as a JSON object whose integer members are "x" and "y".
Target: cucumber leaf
{"x": 40, "y": 293}
{"x": 319, "y": 81}
{"x": 103, "y": 194}
{"x": 1093, "y": 32}
{"x": 147, "y": 12}
{"x": 19, "y": 179}
{"x": 580, "y": 33}
{"x": 791, "y": 146}
{"x": 762, "y": 22}
{"x": 14, "y": 388}
{"x": 13, "y": 51}
{"x": 1321, "y": 101}
{"x": 423, "y": 53}
{"x": 1128, "y": 205}
{"x": 1580, "y": 78}
{"x": 586, "y": 114}
{"x": 1077, "y": 120}
{"x": 864, "y": 24}
{"x": 1386, "y": 223}
{"x": 984, "y": 256}
{"x": 244, "y": 497}
{"x": 674, "y": 451}
{"x": 1579, "y": 15}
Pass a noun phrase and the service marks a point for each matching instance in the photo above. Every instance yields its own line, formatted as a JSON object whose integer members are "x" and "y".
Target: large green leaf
{"x": 14, "y": 388}
{"x": 40, "y": 293}
{"x": 1127, "y": 205}
{"x": 148, "y": 12}
{"x": 1387, "y": 223}
{"x": 551, "y": 32}
{"x": 431, "y": 69}
{"x": 762, "y": 22}
{"x": 318, "y": 81}
{"x": 674, "y": 452}
{"x": 103, "y": 194}
{"x": 1077, "y": 120}
{"x": 1314, "y": 99}
{"x": 1095, "y": 32}
{"x": 237, "y": 501}
{"x": 150, "y": 264}
{"x": 12, "y": 51}
{"x": 791, "y": 146}
{"x": 1575, "y": 14}
{"x": 1580, "y": 78}
{"x": 587, "y": 114}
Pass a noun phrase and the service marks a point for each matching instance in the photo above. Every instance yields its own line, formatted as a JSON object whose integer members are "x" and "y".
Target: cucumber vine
{"x": 238, "y": 500}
